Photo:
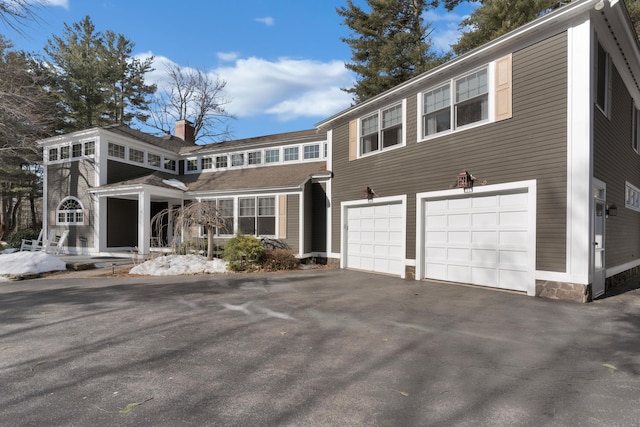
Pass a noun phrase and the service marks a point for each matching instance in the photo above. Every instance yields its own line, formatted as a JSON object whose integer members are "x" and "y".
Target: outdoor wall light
{"x": 599, "y": 5}
{"x": 612, "y": 210}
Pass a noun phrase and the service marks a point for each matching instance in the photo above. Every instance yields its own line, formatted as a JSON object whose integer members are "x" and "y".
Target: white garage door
{"x": 479, "y": 239}
{"x": 375, "y": 238}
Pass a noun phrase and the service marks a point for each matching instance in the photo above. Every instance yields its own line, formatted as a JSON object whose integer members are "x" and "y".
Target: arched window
{"x": 70, "y": 212}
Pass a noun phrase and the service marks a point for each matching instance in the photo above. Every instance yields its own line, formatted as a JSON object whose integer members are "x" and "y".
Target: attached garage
{"x": 485, "y": 238}
{"x": 374, "y": 237}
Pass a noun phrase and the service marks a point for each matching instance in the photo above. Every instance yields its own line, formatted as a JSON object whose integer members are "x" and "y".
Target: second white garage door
{"x": 479, "y": 239}
{"x": 375, "y": 238}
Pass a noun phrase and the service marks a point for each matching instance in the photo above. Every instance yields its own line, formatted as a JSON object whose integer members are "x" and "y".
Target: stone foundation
{"x": 333, "y": 262}
{"x": 621, "y": 278}
{"x": 563, "y": 291}
{"x": 409, "y": 272}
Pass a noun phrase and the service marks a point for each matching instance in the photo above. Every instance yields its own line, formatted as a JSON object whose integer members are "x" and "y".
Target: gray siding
{"x": 531, "y": 145}
{"x": 293, "y": 222}
{"x": 122, "y": 223}
{"x": 72, "y": 179}
{"x": 615, "y": 161}
{"x": 319, "y": 220}
{"x": 308, "y": 217}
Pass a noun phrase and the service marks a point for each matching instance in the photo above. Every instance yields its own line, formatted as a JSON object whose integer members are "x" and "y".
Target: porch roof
{"x": 266, "y": 177}
{"x": 259, "y": 178}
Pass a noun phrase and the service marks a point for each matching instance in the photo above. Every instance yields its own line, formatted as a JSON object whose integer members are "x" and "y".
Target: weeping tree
{"x": 196, "y": 214}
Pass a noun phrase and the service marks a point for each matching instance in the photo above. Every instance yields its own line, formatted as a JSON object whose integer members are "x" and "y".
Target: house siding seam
{"x": 530, "y": 145}
{"x": 615, "y": 162}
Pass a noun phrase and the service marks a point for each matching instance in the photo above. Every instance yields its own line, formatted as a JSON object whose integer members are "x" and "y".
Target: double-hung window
{"x": 225, "y": 208}
{"x": 247, "y": 215}
{"x": 266, "y": 216}
{"x": 154, "y": 160}
{"x": 136, "y": 155}
{"x": 76, "y": 150}
{"x": 272, "y": 156}
{"x": 602, "y": 76}
{"x": 237, "y": 159}
{"x": 472, "y": 98}
{"x": 207, "y": 163}
{"x": 381, "y": 130}
{"x": 437, "y": 110}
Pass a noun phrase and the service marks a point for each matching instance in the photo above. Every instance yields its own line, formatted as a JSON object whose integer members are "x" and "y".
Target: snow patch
{"x": 173, "y": 265}
{"x": 30, "y": 263}
{"x": 175, "y": 183}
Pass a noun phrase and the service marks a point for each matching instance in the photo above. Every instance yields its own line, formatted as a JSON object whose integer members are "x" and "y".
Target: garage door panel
{"x": 484, "y": 238}
{"x": 485, "y": 219}
{"x": 484, "y": 276}
{"x": 484, "y": 256}
{"x": 375, "y": 238}
{"x": 479, "y": 239}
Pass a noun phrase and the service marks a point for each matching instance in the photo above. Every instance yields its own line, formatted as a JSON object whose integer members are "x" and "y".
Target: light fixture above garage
{"x": 465, "y": 180}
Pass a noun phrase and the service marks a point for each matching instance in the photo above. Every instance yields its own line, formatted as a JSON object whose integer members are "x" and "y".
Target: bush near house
{"x": 15, "y": 239}
{"x": 280, "y": 259}
{"x": 243, "y": 252}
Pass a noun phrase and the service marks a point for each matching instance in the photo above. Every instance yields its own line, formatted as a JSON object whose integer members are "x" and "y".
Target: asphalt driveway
{"x": 310, "y": 348}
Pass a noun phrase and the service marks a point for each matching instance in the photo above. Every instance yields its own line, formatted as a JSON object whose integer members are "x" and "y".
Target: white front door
{"x": 598, "y": 251}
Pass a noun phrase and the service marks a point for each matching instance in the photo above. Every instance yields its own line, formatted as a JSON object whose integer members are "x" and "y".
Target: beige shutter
{"x": 353, "y": 140}
{"x": 503, "y": 92}
{"x": 282, "y": 216}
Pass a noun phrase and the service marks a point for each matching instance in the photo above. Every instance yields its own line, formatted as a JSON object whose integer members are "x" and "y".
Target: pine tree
{"x": 98, "y": 81}
{"x": 389, "y": 44}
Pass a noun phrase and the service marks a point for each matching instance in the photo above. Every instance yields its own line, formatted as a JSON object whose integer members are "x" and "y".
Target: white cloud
{"x": 227, "y": 56}
{"x": 61, "y": 3}
{"x": 286, "y": 89}
{"x": 267, "y": 20}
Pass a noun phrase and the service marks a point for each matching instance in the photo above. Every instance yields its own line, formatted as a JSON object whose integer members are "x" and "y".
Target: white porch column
{"x": 144, "y": 222}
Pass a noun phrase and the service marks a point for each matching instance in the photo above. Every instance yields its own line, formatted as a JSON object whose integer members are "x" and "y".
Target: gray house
{"x": 514, "y": 166}
{"x": 106, "y": 184}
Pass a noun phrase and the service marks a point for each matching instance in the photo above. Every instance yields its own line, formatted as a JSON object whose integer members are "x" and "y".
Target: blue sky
{"x": 283, "y": 60}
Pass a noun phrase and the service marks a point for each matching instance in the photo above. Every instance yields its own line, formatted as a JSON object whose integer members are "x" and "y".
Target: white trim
{"x": 378, "y": 112}
{"x": 579, "y": 148}
{"x": 530, "y": 186}
{"x": 344, "y": 206}
{"x": 301, "y": 203}
{"x": 328, "y": 191}
{"x": 622, "y": 268}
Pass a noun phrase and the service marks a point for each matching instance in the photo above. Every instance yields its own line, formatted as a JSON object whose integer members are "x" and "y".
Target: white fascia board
{"x": 136, "y": 189}
{"x": 250, "y": 191}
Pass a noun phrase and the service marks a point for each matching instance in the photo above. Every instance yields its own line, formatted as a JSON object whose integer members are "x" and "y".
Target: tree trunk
{"x": 34, "y": 216}
{"x": 210, "y": 246}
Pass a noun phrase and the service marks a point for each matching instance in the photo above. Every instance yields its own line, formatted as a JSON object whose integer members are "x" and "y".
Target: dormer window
{"x": 116, "y": 150}
{"x": 154, "y": 160}
{"x": 192, "y": 165}
{"x": 237, "y": 159}
{"x": 221, "y": 162}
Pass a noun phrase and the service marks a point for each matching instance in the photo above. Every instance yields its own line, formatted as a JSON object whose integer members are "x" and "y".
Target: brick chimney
{"x": 185, "y": 130}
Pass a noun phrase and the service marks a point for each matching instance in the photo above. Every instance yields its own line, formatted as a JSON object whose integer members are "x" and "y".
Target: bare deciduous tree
{"x": 194, "y": 95}
{"x": 14, "y": 13}
{"x": 197, "y": 214}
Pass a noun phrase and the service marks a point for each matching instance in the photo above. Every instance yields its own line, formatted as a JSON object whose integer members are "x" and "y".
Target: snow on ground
{"x": 171, "y": 265}
{"x": 29, "y": 262}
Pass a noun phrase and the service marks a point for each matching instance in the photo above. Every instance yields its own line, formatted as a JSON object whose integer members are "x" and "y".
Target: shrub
{"x": 280, "y": 259}
{"x": 15, "y": 239}
{"x": 242, "y": 252}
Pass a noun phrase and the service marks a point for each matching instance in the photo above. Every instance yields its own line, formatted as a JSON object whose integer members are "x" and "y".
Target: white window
{"x": 260, "y": 222}
{"x": 170, "y": 164}
{"x": 207, "y": 163}
{"x": 255, "y": 158}
{"x": 272, "y": 156}
{"x": 116, "y": 150}
{"x": 53, "y": 154}
{"x": 237, "y": 159}
{"x": 382, "y": 129}
{"x": 70, "y": 212}
{"x": 632, "y": 197}
{"x": 89, "y": 148}
{"x": 136, "y": 155}
{"x": 312, "y": 151}
{"x": 225, "y": 207}
{"x": 460, "y": 102}
{"x": 64, "y": 152}
{"x": 192, "y": 164}
{"x": 266, "y": 216}
{"x": 221, "y": 162}
{"x": 76, "y": 150}
{"x": 154, "y": 160}
{"x": 291, "y": 154}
